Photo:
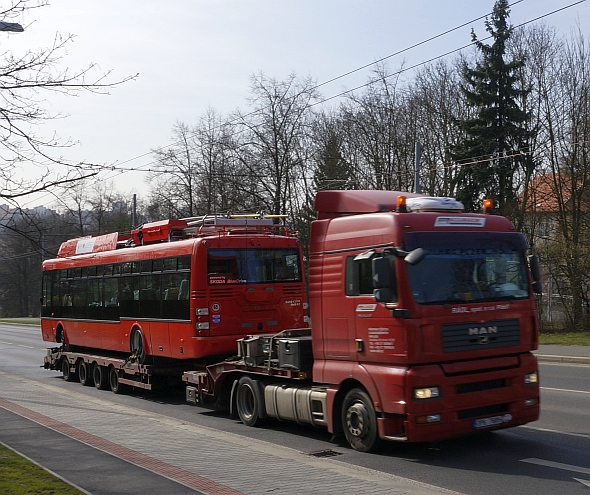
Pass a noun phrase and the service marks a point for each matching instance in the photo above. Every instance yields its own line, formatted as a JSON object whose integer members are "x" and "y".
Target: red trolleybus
{"x": 176, "y": 289}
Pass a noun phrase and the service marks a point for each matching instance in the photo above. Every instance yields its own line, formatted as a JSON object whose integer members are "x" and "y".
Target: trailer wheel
{"x": 359, "y": 421}
{"x": 99, "y": 373}
{"x": 249, "y": 401}
{"x": 69, "y": 376}
{"x": 84, "y": 373}
{"x": 116, "y": 387}
{"x": 137, "y": 345}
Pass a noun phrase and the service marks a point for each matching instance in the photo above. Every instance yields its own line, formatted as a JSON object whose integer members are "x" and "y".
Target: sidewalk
{"x": 575, "y": 354}
{"x": 107, "y": 448}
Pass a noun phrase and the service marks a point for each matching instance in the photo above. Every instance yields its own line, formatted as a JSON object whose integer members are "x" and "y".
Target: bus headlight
{"x": 426, "y": 393}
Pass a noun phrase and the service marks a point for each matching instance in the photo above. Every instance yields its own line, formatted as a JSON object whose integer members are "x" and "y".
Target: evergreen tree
{"x": 488, "y": 155}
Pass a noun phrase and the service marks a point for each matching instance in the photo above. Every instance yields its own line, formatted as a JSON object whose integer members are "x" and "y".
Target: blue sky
{"x": 196, "y": 54}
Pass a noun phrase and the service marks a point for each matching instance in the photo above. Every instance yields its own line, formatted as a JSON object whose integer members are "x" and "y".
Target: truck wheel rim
{"x": 357, "y": 419}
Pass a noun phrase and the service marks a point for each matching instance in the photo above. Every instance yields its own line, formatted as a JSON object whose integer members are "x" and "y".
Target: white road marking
{"x": 18, "y": 345}
{"x": 557, "y": 465}
{"x": 547, "y": 430}
{"x": 565, "y": 390}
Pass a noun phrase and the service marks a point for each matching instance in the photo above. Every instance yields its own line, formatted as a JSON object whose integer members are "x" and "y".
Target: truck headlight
{"x": 426, "y": 393}
{"x": 531, "y": 378}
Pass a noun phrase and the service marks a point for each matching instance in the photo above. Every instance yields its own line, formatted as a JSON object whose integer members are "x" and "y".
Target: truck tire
{"x": 249, "y": 401}
{"x": 116, "y": 386}
{"x": 84, "y": 373}
{"x": 99, "y": 374}
{"x": 69, "y": 375}
{"x": 359, "y": 421}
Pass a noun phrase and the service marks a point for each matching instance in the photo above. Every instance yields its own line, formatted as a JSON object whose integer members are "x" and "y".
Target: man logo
{"x": 482, "y": 330}
{"x": 483, "y": 333}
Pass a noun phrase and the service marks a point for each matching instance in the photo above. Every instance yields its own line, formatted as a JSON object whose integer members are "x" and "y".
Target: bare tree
{"x": 375, "y": 133}
{"x": 24, "y": 79}
{"x": 272, "y": 139}
{"x": 435, "y": 91}
{"x": 566, "y": 108}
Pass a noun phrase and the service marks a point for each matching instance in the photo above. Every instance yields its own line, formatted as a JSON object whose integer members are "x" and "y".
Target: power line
{"x": 341, "y": 76}
{"x": 141, "y": 168}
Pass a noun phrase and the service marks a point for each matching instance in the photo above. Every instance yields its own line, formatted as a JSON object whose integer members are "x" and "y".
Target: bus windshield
{"x": 253, "y": 266}
{"x": 468, "y": 268}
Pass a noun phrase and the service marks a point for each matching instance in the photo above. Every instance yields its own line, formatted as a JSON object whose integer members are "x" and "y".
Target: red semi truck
{"x": 423, "y": 322}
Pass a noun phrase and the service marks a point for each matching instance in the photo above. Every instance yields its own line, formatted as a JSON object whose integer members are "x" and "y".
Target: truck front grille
{"x": 471, "y": 336}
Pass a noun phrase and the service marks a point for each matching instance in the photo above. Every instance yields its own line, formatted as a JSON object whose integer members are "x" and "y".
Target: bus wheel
{"x": 59, "y": 335}
{"x": 138, "y": 346}
{"x": 99, "y": 373}
{"x": 116, "y": 387}
{"x": 359, "y": 420}
{"x": 84, "y": 373}
{"x": 249, "y": 401}
{"x": 69, "y": 376}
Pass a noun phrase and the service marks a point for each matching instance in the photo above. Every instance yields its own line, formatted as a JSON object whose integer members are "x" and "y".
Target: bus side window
{"x": 183, "y": 290}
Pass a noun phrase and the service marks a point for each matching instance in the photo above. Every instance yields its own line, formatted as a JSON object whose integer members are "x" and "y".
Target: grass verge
{"x": 22, "y": 321}
{"x": 18, "y": 476}
{"x": 565, "y": 338}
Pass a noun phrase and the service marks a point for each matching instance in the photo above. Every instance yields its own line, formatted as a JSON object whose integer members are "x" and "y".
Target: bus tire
{"x": 99, "y": 374}
{"x": 84, "y": 373}
{"x": 59, "y": 335}
{"x": 249, "y": 401}
{"x": 116, "y": 386}
{"x": 137, "y": 345}
{"x": 359, "y": 421}
{"x": 68, "y": 374}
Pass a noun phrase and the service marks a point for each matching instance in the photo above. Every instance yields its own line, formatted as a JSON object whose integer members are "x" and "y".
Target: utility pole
{"x": 417, "y": 168}
{"x": 134, "y": 219}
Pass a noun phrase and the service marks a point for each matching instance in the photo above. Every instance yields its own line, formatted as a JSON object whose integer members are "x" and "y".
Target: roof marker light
{"x": 401, "y": 204}
{"x": 488, "y": 205}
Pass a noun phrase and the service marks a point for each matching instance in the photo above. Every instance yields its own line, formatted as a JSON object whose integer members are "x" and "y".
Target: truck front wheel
{"x": 359, "y": 420}
{"x": 249, "y": 401}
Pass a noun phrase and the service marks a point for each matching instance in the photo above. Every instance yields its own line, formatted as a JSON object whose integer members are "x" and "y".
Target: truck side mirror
{"x": 381, "y": 273}
{"x": 414, "y": 257}
{"x": 535, "y": 267}
{"x": 382, "y": 295}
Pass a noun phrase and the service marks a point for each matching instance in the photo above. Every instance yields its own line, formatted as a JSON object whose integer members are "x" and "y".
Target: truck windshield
{"x": 466, "y": 267}
{"x": 251, "y": 266}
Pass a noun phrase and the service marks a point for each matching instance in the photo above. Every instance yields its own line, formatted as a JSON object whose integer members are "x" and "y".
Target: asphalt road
{"x": 549, "y": 456}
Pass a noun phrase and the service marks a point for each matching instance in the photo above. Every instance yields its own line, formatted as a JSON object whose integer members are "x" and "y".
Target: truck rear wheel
{"x": 359, "y": 421}
{"x": 116, "y": 386}
{"x": 99, "y": 373}
{"x": 69, "y": 376}
{"x": 249, "y": 401}
{"x": 84, "y": 373}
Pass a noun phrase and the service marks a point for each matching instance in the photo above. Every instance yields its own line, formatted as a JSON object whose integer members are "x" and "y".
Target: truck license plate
{"x": 487, "y": 422}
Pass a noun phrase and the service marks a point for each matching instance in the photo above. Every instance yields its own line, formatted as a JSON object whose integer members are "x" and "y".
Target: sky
{"x": 195, "y": 55}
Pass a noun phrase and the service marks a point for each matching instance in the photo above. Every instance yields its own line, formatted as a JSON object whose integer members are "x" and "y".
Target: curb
{"x": 545, "y": 358}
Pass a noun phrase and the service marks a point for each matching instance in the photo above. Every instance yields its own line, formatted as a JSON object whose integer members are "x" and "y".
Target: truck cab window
{"x": 359, "y": 277}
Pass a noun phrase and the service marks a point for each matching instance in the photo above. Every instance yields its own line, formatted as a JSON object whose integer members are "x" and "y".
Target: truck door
{"x": 378, "y": 336}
